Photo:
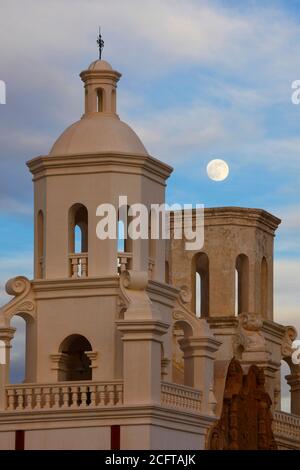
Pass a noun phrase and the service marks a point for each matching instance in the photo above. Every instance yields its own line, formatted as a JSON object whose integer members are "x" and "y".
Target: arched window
{"x": 78, "y": 241}
{"x": 78, "y": 229}
{"x": 201, "y": 285}
{"x": 100, "y": 104}
{"x": 76, "y": 362}
{"x": 40, "y": 245}
{"x": 22, "y": 353}
{"x": 18, "y": 351}
{"x": 264, "y": 287}
{"x": 124, "y": 261}
{"x": 242, "y": 284}
{"x": 121, "y": 236}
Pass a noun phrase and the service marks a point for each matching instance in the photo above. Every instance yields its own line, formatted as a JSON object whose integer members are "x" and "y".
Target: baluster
{"x": 93, "y": 395}
{"x": 38, "y": 398}
{"x": 101, "y": 395}
{"x": 28, "y": 396}
{"x": 74, "y": 265}
{"x": 74, "y": 394}
{"x": 56, "y": 394}
{"x": 119, "y": 394}
{"x": 110, "y": 395}
{"x": 123, "y": 263}
{"x": 11, "y": 399}
{"x": 65, "y": 396}
{"x": 20, "y": 399}
{"x": 83, "y": 392}
{"x": 46, "y": 392}
{"x": 83, "y": 267}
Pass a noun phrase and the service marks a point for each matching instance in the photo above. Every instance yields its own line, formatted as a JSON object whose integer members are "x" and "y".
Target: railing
{"x": 63, "y": 395}
{"x": 124, "y": 259}
{"x": 124, "y": 263}
{"x": 287, "y": 427}
{"x": 180, "y": 396}
{"x": 79, "y": 264}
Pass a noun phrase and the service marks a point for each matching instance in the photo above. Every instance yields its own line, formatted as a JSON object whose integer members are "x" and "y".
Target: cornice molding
{"x": 108, "y": 162}
{"x": 239, "y": 216}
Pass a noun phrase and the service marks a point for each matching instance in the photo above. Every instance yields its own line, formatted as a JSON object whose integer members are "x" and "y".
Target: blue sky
{"x": 201, "y": 80}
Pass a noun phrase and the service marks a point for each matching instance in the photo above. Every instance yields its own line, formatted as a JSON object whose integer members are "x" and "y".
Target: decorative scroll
{"x": 287, "y": 341}
{"x": 246, "y": 420}
{"x": 23, "y": 302}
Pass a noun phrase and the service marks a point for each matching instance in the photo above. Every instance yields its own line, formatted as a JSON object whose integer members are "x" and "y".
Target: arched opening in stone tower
{"x": 78, "y": 240}
{"x": 76, "y": 363}
{"x": 201, "y": 285}
{"x": 18, "y": 350}
{"x": 124, "y": 242}
{"x": 22, "y": 359}
{"x": 121, "y": 236}
{"x": 264, "y": 287}
{"x": 242, "y": 284}
{"x": 100, "y": 97}
{"x": 40, "y": 245}
{"x": 78, "y": 229}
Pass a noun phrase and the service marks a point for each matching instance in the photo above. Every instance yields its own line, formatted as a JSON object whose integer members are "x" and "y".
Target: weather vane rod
{"x": 100, "y": 43}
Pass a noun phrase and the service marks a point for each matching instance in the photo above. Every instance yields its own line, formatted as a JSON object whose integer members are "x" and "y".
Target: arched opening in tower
{"x": 18, "y": 351}
{"x": 201, "y": 285}
{"x": 264, "y": 287}
{"x": 76, "y": 361}
{"x": 241, "y": 284}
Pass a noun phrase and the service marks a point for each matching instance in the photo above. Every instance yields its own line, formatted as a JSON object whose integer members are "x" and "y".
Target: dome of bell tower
{"x": 100, "y": 129}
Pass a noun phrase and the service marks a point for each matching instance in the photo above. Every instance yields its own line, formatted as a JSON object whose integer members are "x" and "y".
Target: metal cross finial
{"x": 100, "y": 43}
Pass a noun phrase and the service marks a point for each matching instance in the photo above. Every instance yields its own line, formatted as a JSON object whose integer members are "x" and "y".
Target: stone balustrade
{"x": 64, "y": 395}
{"x": 124, "y": 259}
{"x": 79, "y": 264}
{"x": 286, "y": 428}
{"x": 180, "y": 396}
{"x": 124, "y": 263}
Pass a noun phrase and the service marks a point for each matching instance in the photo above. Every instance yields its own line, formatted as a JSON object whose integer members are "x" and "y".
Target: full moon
{"x": 217, "y": 170}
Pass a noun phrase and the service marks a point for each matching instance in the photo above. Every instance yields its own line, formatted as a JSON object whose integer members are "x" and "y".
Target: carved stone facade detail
{"x": 249, "y": 336}
{"x": 246, "y": 420}
{"x": 287, "y": 342}
{"x": 22, "y": 303}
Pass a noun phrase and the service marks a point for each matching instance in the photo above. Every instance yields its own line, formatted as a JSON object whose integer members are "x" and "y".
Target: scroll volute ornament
{"x": 246, "y": 420}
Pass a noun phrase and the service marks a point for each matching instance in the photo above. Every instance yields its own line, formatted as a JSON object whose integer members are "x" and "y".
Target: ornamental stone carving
{"x": 249, "y": 335}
